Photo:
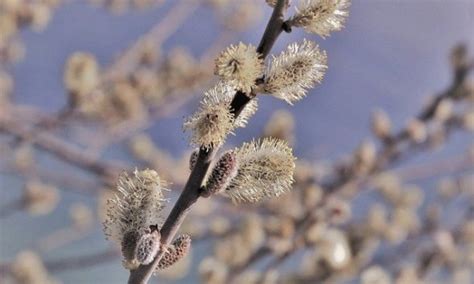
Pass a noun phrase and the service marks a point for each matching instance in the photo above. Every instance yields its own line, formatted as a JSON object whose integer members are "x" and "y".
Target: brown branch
{"x": 70, "y": 263}
{"x": 63, "y": 181}
{"x": 191, "y": 192}
{"x": 83, "y": 261}
{"x": 61, "y": 149}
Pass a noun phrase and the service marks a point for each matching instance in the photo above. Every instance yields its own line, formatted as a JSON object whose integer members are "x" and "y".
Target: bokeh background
{"x": 391, "y": 55}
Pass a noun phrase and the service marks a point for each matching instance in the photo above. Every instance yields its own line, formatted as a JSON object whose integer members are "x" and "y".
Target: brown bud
{"x": 224, "y": 171}
{"x": 176, "y": 251}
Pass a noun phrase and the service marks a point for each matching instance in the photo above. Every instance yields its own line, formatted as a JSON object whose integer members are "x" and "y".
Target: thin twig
{"x": 83, "y": 261}
{"x": 158, "y": 34}
{"x": 63, "y": 181}
{"x": 453, "y": 164}
{"x": 61, "y": 149}
{"x": 191, "y": 192}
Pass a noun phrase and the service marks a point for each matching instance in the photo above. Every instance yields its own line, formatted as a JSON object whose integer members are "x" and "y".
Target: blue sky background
{"x": 392, "y": 54}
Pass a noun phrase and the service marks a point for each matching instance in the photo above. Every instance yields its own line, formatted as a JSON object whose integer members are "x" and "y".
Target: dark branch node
{"x": 286, "y": 27}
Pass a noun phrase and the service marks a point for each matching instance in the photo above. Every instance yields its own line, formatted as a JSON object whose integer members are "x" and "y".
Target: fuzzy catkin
{"x": 214, "y": 120}
{"x": 416, "y": 131}
{"x": 265, "y": 169}
{"x": 210, "y": 125}
{"x": 381, "y": 124}
{"x": 81, "y": 76}
{"x": 134, "y": 210}
{"x": 240, "y": 66}
{"x": 295, "y": 70}
{"x": 321, "y": 16}
{"x": 223, "y": 93}
{"x": 129, "y": 245}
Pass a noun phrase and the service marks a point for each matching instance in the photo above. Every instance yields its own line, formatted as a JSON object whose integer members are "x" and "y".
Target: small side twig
{"x": 60, "y": 149}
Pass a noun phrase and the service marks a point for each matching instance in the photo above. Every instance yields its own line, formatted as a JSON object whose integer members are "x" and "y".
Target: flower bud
{"x": 265, "y": 170}
{"x": 147, "y": 247}
{"x": 364, "y": 156}
{"x": 444, "y": 110}
{"x": 214, "y": 120}
{"x": 133, "y": 211}
{"x": 416, "y": 131}
{"x": 176, "y": 251}
{"x": 321, "y": 16}
{"x": 335, "y": 249}
{"x": 240, "y": 65}
{"x": 40, "y": 198}
{"x": 295, "y": 70}
{"x": 281, "y": 125}
{"x": 381, "y": 124}
{"x": 224, "y": 171}
{"x": 81, "y": 76}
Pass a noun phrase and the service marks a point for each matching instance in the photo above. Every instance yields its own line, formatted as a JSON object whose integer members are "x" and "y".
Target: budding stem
{"x": 191, "y": 192}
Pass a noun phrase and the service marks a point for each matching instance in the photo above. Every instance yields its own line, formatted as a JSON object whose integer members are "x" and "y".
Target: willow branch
{"x": 454, "y": 164}
{"x": 191, "y": 192}
{"x": 158, "y": 34}
{"x": 65, "y": 151}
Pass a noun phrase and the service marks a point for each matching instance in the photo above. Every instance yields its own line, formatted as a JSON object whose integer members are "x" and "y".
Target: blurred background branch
{"x": 89, "y": 89}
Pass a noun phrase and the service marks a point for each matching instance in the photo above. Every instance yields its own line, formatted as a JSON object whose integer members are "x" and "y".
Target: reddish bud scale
{"x": 176, "y": 251}
{"x": 224, "y": 171}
